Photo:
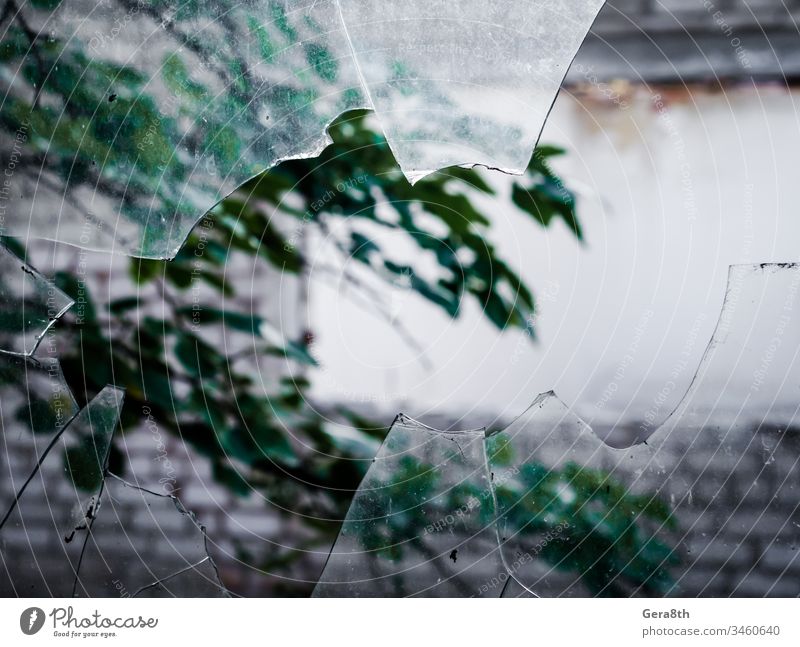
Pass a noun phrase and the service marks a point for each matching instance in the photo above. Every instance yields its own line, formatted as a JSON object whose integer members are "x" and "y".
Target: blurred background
{"x": 679, "y": 136}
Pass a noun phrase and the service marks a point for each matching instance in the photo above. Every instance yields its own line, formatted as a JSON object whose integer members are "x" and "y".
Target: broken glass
{"x": 55, "y": 498}
{"x": 464, "y": 83}
{"x": 146, "y": 544}
{"x": 87, "y": 445}
{"x": 34, "y": 399}
{"x": 35, "y": 404}
{"x": 706, "y": 506}
{"x": 54, "y": 475}
{"x": 29, "y": 304}
{"x": 421, "y": 521}
{"x": 569, "y": 523}
{"x": 63, "y": 533}
{"x": 125, "y": 121}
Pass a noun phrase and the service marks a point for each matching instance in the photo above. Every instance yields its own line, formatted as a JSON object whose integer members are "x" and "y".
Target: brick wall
{"x": 690, "y": 40}
{"x": 755, "y": 553}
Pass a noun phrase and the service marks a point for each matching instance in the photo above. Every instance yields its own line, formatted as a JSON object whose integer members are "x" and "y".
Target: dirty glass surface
{"x": 464, "y": 82}
{"x": 76, "y": 455}
{"x": 129, "y": 119}
{"x": 420, "y": 523}
{"x": 29, "y": 304}
{"x": 677, "y": 513}
{"x": 82, "y": 547}
{"x": 60, "y": 532}
{"x": 35, "y": 401}
{"x": 124, "y": 121}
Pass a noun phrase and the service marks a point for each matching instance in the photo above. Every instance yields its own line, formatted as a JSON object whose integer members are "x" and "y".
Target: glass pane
{"x": 466, "y": 82}
{"x": 130, "y": 120}
{"x": 35, "y": 404}
{"x": 146, "y": 544}
{"x": 420, "y": 522}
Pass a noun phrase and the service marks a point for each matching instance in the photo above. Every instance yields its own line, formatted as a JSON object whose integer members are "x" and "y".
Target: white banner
{"x": 386, "y": 623}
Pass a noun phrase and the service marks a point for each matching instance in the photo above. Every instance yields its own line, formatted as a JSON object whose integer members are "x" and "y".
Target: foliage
{"x": 94, "y": 123}
{"x": 617, "y": 541}
{"x": 577, "y": 519}
{"x": 157, "y": 341}
{"x": 275, "y": 440}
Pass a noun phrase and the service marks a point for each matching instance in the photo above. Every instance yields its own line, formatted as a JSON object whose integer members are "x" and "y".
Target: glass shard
{"x": 420, "y": 522}
{"x": 464, "y": 83}
{"x": 87, "y": 444}
{"x": 708, "y": 505}
{"x": 131, "y": 119}
{"x": 569, "y": 521}
{"x": 35, "y": 404}
{"x": 125, "y": 121}
{"x": 54, "y": 476}
{"x": 29, "y": 304}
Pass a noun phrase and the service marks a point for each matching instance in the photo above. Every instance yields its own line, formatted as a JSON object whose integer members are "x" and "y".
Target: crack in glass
{"x": 60, "y": 531}
{"x": 167, "y": 556}
{"x": 29, "y": 305}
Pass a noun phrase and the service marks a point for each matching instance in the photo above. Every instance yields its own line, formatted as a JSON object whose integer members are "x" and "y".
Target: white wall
{"x": 670, "y": 196}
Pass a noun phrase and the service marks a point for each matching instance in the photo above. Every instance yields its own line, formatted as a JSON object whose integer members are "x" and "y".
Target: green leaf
{"x": 258, "y": 442}
{"x": 241, "y": 321}
{"x": 45, "y": 4}
{"x": 144, "y": 270}
{"x": 197, "y": 357}
{"x": 547, "y": 200}
{"x": 123, "y": 304}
